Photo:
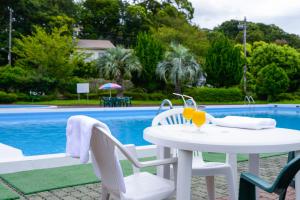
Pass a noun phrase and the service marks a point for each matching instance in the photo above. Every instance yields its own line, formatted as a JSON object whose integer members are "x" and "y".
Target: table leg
{"x": 163, "y": 152}
{"x": 254, "y": 168}
{"x": 297, "y": 180}
{"x": 184, "y": 175}
{"x": 232, "y": 160}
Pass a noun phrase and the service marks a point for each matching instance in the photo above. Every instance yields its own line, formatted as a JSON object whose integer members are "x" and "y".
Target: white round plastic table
{"x": 213, "y": 138}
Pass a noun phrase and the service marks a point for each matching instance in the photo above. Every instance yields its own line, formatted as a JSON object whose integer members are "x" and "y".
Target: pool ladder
{"x": 249, "y": 100}
{"x": 165, "y": 101}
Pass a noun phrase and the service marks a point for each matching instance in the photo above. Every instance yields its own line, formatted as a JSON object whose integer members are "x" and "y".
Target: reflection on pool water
{"x": 44, "y": 133}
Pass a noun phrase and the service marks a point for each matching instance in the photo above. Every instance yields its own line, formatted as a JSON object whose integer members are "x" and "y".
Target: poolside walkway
{"x": 269, "y": 168}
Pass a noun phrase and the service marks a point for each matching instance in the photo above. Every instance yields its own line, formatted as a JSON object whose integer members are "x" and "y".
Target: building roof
{"x": 94, "y": 44}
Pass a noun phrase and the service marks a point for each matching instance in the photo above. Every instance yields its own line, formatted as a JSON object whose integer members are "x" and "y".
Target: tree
{"x": 271, "y": 81}
{"x": 150, "y": 52}
{"x": 224, "y": 63}
{"x": 100, "y": 19}
{"x": 179, "y": 67}
{"x": 29, "y": 13}
{"x": 118, "y": 64}
{"x": 258, "y": 32}
{"x": 48, "y": 54}
{"x": 283, "y": 56}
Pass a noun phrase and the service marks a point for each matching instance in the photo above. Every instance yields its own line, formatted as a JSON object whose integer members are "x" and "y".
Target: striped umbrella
{"x": 110, "y": 86}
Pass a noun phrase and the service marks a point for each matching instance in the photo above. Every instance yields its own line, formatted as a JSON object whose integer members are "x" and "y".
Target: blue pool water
{"x": 44, "y": 133}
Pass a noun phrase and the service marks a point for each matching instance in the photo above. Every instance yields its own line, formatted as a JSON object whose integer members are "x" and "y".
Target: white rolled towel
{"x": 245, "y": 122}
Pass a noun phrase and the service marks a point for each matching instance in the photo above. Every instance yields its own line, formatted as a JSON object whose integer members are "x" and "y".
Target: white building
{"x": 95, "y": 48}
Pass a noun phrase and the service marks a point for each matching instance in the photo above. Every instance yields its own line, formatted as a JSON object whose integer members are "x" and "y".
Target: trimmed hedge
{"x": 215, "y": 94}
{"x": 7, "y": 97}
{"x": 135, "y": 95}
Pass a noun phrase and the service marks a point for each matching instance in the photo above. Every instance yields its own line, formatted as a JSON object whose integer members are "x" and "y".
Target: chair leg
{"x": 247, "y": 190}
{"x": 105, "y": 193}
{"x": 282, "y": 195}
{"x": 210, "y": 183}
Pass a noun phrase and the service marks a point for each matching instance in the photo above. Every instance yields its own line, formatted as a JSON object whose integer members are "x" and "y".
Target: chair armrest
{"x": 152, "y": 163}
{"x": 257, "y": 181}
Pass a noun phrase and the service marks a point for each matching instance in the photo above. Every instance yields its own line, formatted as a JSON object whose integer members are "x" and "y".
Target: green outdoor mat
{"x": 40, "y": 180}
{"x": 220, "y": 157}
{"x": 7, "y": 194}
{"x": 48, "y": 179}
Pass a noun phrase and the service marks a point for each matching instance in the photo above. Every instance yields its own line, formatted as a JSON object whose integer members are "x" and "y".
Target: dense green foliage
{"x": 224, "y": 63}
{"x": 45, "y": 60}
{"x": 259, "y": 32}
{"x": 283, "y": 56}
{"x": 118, "y": 64}
{"x": 48, "y": 56}
{"x": 150, "y": 52}
{"x": 215, "y": 94}
{"x": 179, "y": 67}
{"x": 271, "y": 81}
{"x": 7, "y": 97}
{"x": 29, "y": 13}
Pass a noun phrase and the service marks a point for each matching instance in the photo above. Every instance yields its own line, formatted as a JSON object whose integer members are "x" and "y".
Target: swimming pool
{"x": 37, "y": 133}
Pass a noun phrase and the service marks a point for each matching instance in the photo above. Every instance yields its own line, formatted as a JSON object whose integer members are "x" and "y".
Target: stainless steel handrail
{"x": 163, "y": 104}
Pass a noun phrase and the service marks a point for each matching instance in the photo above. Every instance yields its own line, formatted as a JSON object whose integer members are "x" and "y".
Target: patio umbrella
{"x": 110, "y": 86}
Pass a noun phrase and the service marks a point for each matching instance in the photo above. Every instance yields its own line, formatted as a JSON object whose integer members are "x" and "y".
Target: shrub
{"x": 13, "y": 78}
{"x": 157, "y": 96}
{"x": 285, "y": 96}
{"x": 285, "y": 57}
{"x": 271, "y": 81}
{"x": 224, "y": 63}
{"x": 71, "y": 85}
{"x": 137, "y": 95}
{"x": 215, "y": 94}
{"x": 7, "y": 97}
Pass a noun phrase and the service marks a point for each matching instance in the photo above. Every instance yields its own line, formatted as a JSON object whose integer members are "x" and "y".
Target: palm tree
{"x": 179, "y": 66}
{"x": 118, "y": 64}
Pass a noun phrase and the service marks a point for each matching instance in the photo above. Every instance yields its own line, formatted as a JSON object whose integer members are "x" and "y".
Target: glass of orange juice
{"x": 198, "y": 119}
{"x": 188, "y": 113}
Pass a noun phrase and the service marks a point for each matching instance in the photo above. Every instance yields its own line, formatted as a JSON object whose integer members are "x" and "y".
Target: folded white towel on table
{"x": 245, "y": 122}
{"x": 79, "y": 133}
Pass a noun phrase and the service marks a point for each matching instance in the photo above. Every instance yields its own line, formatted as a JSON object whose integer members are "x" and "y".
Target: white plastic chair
{"x": 200, "y": 167}
{"x": 140, "y": 185}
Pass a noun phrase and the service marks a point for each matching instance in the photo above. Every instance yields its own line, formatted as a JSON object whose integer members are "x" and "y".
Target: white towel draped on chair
{"x": 79, "y": 133}
{"x": 81, "y": 138}
{"x": 85, "y": 133}
{"x": 245, "y": 122}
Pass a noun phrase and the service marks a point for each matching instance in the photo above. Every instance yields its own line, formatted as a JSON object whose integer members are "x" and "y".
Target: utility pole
{"x": 245, "y": 53}
{"x": 9, "y": 36}
{"x": 243, "y": 26}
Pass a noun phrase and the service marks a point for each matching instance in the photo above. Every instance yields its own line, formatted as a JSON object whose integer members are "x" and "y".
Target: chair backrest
{"x": 174, "y": 116}
{"x": 105, "y": 160}
{"x": 286, "y": 175}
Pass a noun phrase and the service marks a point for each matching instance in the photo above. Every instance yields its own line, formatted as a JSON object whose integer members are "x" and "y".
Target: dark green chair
{"x": 248, "y": 182}
{"x": 106, "y": 101}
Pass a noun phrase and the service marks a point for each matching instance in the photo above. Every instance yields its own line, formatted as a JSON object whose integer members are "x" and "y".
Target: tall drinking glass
{"x": 199, "y": 119}
{"x": 188, "y": 113}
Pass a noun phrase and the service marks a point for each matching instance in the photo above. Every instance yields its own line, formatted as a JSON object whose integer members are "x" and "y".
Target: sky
{"x": 283, "y": 13}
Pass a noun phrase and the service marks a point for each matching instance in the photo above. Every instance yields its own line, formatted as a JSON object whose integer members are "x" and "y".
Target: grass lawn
{"x": 93, "y": 102}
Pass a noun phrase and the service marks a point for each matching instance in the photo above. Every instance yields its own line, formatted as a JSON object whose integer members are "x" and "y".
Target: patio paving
{"x": 269, "y": 168}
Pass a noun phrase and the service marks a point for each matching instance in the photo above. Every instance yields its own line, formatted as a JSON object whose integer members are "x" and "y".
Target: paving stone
{"x": 269, "y": 169}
